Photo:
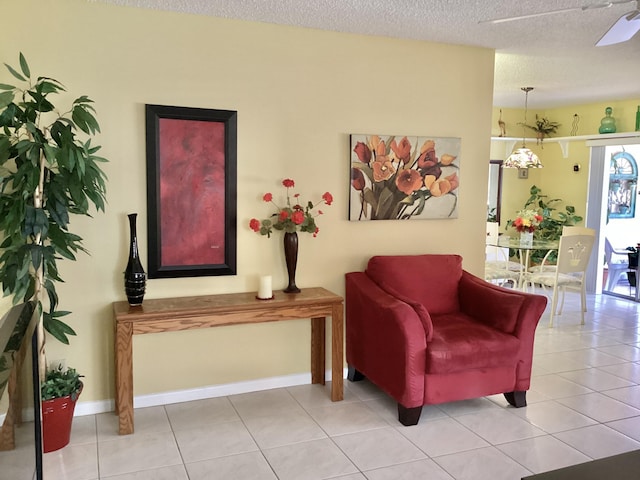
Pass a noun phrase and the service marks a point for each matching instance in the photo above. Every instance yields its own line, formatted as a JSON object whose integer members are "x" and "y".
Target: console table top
{"x": 210, "y": 304}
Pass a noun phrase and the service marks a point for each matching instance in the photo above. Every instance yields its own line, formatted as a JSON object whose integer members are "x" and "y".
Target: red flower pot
{"x": 57, "y": 415}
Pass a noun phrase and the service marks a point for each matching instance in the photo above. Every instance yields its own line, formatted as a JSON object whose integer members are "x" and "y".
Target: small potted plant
{"x": 59, "y": 393}
{"x": 543, "y": 128}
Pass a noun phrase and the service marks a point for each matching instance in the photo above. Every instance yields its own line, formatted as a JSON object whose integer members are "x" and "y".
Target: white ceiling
{"x": 554, "y": 53}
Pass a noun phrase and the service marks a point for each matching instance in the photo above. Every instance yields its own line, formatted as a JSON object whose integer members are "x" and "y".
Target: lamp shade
{"x": 522, "y": 158}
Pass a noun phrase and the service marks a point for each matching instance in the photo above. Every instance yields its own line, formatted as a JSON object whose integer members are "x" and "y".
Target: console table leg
{"x": 124, "y": 377}
{"x": 318, "y": 350}
{"x": 337, "y": 354}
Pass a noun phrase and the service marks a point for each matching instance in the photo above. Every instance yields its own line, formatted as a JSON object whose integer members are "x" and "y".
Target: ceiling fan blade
{"x": 584, "y": 8}
{"x": 621, "y": 31}
{"x": 530, "y": 15}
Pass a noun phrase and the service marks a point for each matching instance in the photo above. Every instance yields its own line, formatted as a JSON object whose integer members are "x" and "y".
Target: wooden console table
{"x": 186, "y": 313}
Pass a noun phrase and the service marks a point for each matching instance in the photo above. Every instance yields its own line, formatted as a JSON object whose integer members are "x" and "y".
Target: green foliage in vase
{"x": 47, "y": 173}
{"x": 554, "y": 218}
{"x": 60, "y": 382}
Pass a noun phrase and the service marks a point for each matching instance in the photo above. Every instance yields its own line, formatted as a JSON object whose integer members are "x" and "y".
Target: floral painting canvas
{"x": 396, "y": 177}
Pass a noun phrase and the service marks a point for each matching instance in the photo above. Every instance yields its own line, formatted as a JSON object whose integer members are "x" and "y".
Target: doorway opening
{"x": 620, "y": 232}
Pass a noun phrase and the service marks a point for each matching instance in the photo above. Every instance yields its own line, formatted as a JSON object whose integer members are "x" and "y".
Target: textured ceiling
{"x": 555, "y": 54}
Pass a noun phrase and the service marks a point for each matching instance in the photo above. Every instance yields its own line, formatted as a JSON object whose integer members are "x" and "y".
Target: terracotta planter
{"x": 57, "y": 415}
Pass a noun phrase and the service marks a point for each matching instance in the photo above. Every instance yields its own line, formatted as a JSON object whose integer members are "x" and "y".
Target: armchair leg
{"x": 516, "y": 399}
{"x": 409, "y": 416}
{"x": 354, "y": 375}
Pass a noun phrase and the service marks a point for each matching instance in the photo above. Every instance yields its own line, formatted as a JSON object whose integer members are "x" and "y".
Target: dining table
{"x": 524, "y": 251}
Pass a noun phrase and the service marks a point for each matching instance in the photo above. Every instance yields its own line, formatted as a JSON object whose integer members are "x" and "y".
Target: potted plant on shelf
{"x": 543, "y": 128}
{"x": 49, "y": 170}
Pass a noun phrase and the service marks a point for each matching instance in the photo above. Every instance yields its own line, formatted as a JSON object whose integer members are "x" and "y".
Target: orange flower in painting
{"x": 374, "y": 141}
{"x": 447, "y": 159}
{"x": 383, "y": 169}
{"x": 408, "y": 181}
{"x": 454, "y": 180}
{"x": 428, "y": 180}
{"x": 402, "y": 150}
{"x": 442, "y": 186}
{"x": 427, "y": 158}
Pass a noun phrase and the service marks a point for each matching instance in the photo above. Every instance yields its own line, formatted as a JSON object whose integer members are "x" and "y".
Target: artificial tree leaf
{"x": 6, "y": 98}
{"x": 41, "y": 103}
{"x": 24, "y": 66}
{"x": 58, "y": 329}
{"x": 53, "y": 295}
{"x": 45, "y": 87}
{"x": 81, "y": 118}
{"x": 36, "y": 256}
{"x": 4, "y": 86}
{"x": 14, "y": 73}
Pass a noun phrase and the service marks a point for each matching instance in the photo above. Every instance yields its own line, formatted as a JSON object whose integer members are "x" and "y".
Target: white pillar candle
{"x": 264, "y": 290}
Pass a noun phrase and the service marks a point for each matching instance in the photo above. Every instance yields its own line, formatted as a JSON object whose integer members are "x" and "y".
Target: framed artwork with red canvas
{"x": 191, "y": 191}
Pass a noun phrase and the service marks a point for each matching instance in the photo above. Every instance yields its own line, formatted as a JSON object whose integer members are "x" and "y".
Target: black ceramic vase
{"x": 135, "y": 278}
{"x": 291, "y": 257}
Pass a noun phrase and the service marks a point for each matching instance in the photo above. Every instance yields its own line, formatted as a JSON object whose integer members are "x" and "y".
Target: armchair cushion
{"x": 431, "y": 280}
{"x": 422, "y": 313}
{"x": 492, "y": 305}
{"x": 462, "y": 343}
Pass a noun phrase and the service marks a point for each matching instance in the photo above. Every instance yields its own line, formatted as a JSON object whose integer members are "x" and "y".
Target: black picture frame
{"x": 189, "y": 197}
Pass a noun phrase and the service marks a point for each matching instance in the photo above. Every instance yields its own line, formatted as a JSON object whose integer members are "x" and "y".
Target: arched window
{"x": 623, "y": 178}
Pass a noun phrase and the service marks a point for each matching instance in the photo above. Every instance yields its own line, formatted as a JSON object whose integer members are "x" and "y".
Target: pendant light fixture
{"x": 523, "y": 157}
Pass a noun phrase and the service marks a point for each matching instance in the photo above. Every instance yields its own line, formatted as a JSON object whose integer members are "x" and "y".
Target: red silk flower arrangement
{"x": 527, "y": 221}
{"x": 290, "y": 218}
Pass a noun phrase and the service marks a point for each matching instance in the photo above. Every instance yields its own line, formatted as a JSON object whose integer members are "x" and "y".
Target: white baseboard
{"x": 177, "y": 396}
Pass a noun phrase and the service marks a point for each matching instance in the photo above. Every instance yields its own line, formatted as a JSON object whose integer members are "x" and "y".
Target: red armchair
{"x": 427, "y": 332}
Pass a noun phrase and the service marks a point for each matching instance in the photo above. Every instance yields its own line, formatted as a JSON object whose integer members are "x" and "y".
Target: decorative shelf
{"x": 564, "y": 141}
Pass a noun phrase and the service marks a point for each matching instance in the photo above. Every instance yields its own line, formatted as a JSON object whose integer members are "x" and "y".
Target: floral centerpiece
{"x": 290, "y": 218}
{"x": 401, "y": 178}
{"x": 527, "y": 221}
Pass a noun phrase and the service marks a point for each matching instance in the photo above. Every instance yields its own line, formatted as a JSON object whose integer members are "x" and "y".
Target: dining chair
{"x": 574, "y": 252}
{"x": 498, "y": 268}
{"x": 616, "y": 266}
{"x": 546, "y": 265}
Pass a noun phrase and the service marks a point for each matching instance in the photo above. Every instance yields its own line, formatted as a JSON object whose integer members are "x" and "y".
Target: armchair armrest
{"x": 385, "y": 339}
{"x": 508, "y": 310}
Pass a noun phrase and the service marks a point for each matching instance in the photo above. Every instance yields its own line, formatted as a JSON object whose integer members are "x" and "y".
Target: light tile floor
{"x": 584, "y": 404}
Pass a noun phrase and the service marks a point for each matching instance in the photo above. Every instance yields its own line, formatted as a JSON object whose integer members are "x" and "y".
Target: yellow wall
{"x": 299, "y": 93}
{"x": 557, "y": 179}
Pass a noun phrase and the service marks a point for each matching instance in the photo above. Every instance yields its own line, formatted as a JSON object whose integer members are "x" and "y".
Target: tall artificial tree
{"x": 48, "y": 171}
